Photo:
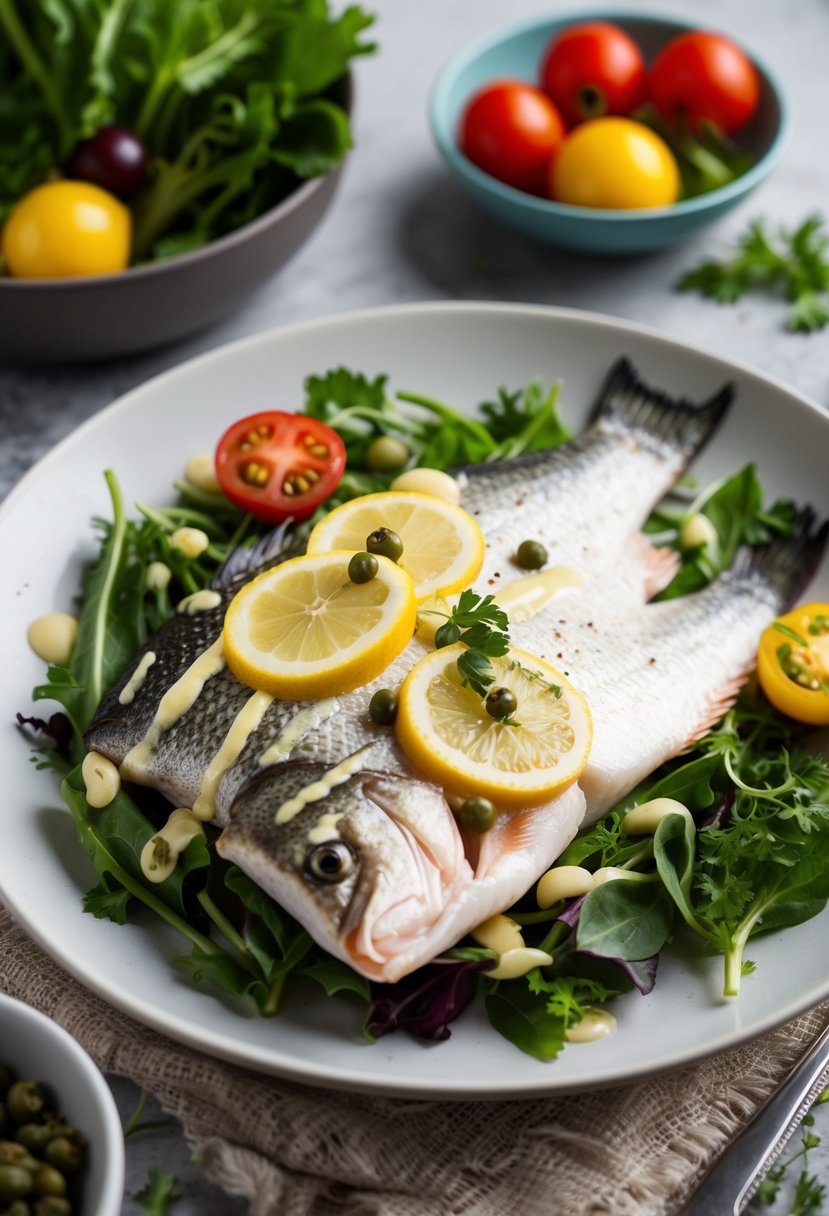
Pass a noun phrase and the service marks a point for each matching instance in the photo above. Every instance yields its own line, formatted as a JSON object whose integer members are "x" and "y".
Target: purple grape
{"x": 114, "y": 159}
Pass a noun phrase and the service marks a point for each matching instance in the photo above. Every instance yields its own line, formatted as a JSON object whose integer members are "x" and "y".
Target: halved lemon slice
{"x": 443, "y": 547}
{"x": 446, "y": 732}
{"x": 303, "y": 630}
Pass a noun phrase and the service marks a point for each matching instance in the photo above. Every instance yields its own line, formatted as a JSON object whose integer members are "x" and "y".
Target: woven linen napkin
{"x": 292, "y": 1150}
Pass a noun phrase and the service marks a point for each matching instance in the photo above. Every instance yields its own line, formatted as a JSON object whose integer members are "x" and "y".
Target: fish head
{"x": 368, "y": 867}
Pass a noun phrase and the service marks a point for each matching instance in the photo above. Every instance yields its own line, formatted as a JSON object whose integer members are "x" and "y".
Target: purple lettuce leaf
{"x": 58, "y": 728}
{"x": 641, "y": 973}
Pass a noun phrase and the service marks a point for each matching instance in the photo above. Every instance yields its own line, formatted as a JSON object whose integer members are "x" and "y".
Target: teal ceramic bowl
{"x": 516, "y": 51}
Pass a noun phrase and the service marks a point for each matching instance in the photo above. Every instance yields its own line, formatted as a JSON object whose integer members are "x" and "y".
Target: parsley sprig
{"x": 482, "y": 626}
{"x": 794, "y": 261}
{"x": 809, "y": 1191}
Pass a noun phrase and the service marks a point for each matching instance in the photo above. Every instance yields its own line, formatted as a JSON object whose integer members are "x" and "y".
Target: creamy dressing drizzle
{"x": 243, "y": 726}
{"x": 199, "y": 601}
{"x": 325, "y": 828}
{"x": 596, "y": 1024}
{"x": 526, "y": 596}
{"x": 299, "y": 726}
{"x": 127, "y": 693}
{"x": 160, "y": 854}
{"x": 322, "y": 788}
{"x": 173, "y": 705}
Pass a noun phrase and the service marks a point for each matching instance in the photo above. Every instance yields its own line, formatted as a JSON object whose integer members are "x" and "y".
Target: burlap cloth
{"x": 297, "y": 1151}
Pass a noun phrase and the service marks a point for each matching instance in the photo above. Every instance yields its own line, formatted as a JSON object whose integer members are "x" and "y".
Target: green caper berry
{"x": 531, "y": 555}
{"x": 446, "y": 634}
{"x": 64, "y": 1154}
{"x": 382, "y": 707}
{"x": 5, "y": 1080}
{"x": 385, "y": 453}
{"x": 25, "y": 1100}
{"x": 35, "y": 1136}
{"x": 500, "y": 703}
{"x": 15, "y": 1183}
{"x": 385, "y": 543}
{"x": 363, "y": 567}
{"x": 48, "y": 1180}
{"x": 52, "y": 1205}
{"x": 477, "y": 815}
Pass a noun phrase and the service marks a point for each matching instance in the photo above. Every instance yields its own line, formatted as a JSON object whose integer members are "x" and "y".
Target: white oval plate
{"x": 460, "y": 353}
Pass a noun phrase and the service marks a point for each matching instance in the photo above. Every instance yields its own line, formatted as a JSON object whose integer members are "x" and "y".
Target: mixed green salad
{"x": 750, "y": 855}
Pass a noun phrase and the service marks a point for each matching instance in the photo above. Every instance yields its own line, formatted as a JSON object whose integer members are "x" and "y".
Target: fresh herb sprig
{"x": 482, "y": 626}
{"x": 809, "y": 1191}
{"x": 794, "y": 262}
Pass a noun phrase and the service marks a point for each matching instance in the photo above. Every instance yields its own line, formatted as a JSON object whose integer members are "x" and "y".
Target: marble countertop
{"x": 401, "y": 229}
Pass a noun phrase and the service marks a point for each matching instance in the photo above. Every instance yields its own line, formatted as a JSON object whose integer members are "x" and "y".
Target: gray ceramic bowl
{"x": 81, "y": 319}
{"x": 36, "y": 1048}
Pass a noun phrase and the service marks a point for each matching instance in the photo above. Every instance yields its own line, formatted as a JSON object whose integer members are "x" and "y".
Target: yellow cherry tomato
{"x": 793, "y": 664}
{"x": 616, "y": 163}
{"x": 63, "y": 229}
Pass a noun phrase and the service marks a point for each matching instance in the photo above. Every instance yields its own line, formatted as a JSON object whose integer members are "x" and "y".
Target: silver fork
{"x": 737, "y": 1174}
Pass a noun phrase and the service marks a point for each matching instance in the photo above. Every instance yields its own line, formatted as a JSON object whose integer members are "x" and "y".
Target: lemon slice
{"x": 303, "y": 630}
{"x": 443, "y": 547}
{"x": 446, "y": 732}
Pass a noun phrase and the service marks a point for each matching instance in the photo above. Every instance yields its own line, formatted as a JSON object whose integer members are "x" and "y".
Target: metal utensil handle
{"x": 729, "y": 1184}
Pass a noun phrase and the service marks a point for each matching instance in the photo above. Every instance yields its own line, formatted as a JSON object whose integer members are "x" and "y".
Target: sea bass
{"x": 318, "y": 804}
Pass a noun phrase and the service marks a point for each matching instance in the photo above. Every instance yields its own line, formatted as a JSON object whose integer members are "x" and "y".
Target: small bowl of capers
{"x": 61, "y": 1140}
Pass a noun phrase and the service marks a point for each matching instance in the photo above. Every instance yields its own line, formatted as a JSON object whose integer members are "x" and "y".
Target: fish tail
{"x": 627, "y": 403}
{"x": 787, "y": 564}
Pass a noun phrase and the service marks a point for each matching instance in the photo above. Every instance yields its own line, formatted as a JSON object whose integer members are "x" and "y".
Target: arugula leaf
{"x": 335, "y": 976}
{"x": 159, "y": 1193}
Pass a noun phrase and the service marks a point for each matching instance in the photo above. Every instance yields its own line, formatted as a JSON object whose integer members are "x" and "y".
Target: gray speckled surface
{"x": 401, "y": 229}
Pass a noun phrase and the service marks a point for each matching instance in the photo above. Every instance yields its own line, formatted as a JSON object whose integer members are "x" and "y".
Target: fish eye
{"x": 330, "y": 862}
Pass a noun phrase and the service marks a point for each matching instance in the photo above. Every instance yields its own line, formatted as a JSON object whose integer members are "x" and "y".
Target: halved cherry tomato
{"x": 511, "y": 130}
{"x": 701, "y": 77}
{"x": 793, "y": 664}
{"x": 594, "y": 69}
{"x": 278, "y": 465}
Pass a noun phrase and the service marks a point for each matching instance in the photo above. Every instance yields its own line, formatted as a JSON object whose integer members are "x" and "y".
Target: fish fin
{"x": 243, "y": 562}
{"x": 719, "y": 704}
{"x": 786, "y": 565}
{"x": 628, "y": 404}
{"x": 660, "y": 565}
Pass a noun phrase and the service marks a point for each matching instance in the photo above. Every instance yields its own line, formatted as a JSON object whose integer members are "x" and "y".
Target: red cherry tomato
{"x": 511, "y": 130}
{"x": 279, "y": 465}
{"x": 594, "y": 69}
{"x": 704, "y": 78}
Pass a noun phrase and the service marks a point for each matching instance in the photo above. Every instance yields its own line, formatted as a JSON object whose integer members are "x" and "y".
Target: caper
{"x": 531, "y": 555}
{"x": 382, "y": 707}
{"x": 15, "y": 1182}
{"x": 477, "y": 815}
{"x": 52, "y": 1205}
{"x": 500, "y": 703}
{"x": 385, "y": 543}
{"x": 13, "y": 1154}
{"x": 446, "y": 634}
{"x": 5, "y": 1080}
{"x": 25, "y": 1100}
{"x": 48, "y": 1180}
{"x": 363, "y": 567}
{"x": 35, "y": 1136}
{"x": 64, "y": 1154}
{"x": 386, "y": 453}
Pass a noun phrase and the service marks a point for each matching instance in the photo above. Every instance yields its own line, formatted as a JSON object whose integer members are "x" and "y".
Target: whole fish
{"x": 318, "y": 804}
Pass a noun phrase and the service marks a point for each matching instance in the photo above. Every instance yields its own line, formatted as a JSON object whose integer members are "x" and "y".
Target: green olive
{"x": 48, "y": 1180}
{"x": 15, "y": 1183}
{"x": 382, "y": 707}
{"x": 477, "y": 815}
{"x": 52, "y": 1205}
{"x": 500, "y": 703}
{"x": 64, "y": 1154}
{"x": 386, "y": 453}
{"x": 531, "y": 555}
{"x": 446, "y": 634}
{"x": 363, "y": 567}
{"x": 35, "y": 1136}
{"x": 385, "y": 543}
{"x": 25, "y": 1100}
